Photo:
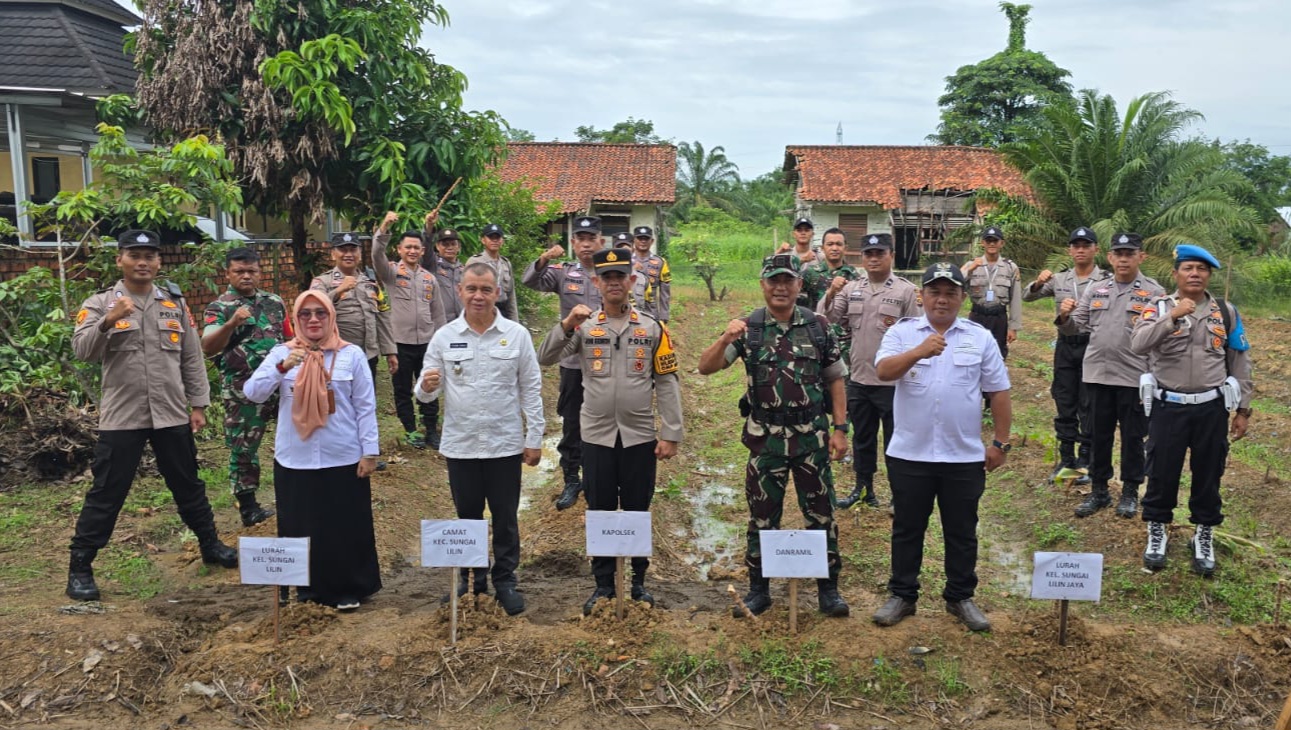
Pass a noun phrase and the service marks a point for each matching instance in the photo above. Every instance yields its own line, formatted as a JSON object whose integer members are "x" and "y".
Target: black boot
{"x": 639, "y": 593}
{"x": 215, "y": 552}
{"x": 869, "y": 497}
{"x": 758, "y": 599}
{"x": 831, "y": 604}
{"x": 570, "y": 494}
{"x": 433, "y": 437}
{"x": 1129, "y": 504}
{"x": 80, "y": 576}
{"x": 598, "y": 594}
{"x": 252, "y": 512}
{"x": 852, "y": 498}
{"x": 1098, "y": 499}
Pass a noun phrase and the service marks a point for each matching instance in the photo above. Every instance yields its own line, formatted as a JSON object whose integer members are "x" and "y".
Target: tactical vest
{"x": 762, "y": 365}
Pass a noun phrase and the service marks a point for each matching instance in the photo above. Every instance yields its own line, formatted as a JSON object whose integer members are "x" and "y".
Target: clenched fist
{"x": 430, "y": 380}
{"x": 1044, "y": 276}
{"x": 836, "y": 285}
{"x": 734, "y": 330}
{"x": 123, "y": 308}
{"x": 390, "y": 217}
{"x": 347, "y": 284}
{"x": 241, "y": 315}
{"x": 552, "y": 253}
{"x": 577, "y": 316}
{"x": 1067, "y": 307}
{"x": 932, "y": 347}
{"x": 1184, "y": 308}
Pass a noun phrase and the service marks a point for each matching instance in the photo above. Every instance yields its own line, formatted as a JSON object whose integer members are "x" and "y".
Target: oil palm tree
{"x": 705, "y": 178}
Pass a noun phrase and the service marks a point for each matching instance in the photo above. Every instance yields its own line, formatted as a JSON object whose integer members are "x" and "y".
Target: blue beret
{"x": 1188, "y": 252}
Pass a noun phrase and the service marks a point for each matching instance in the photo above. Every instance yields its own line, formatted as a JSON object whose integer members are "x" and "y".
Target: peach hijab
{"x": 310, "y": 406}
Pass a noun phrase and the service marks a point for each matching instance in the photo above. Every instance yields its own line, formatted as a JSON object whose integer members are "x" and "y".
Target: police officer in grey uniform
{"x": 416, "y": 312}
{"x": 1108, "y": 311}
{"x": 995, "y": 288}
{"x": 652, "y": 291}
{"x": 1202, "y": 371}
{"x": 868, "y": 307}
{"x": 358, "y": 303}
{"x": 628, "y": 364}
{"x": 622, "y": 240}
{"x": 154, "y": 391}
{"x": 492, "y": 238}
{"x": 1070, "y": 396}
{"x": 572, "y": 284}
{"x": 449, "y": 271}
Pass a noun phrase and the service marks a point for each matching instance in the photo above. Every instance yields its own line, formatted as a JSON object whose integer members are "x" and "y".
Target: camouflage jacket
{"x": 816, "y": 278}
{"x": 787, "y": 380}
{"x": 250, "y": 343}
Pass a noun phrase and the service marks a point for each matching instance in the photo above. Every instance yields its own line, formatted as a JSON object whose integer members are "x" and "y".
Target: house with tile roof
{"x": 919, "y": 194}
{"x": 627, "y": 185}
{"x": 58, "y": 58}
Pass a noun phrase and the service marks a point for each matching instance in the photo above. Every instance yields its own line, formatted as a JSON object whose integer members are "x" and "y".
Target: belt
{"x": 784, "y": 417}
{"x": 1188, "y": 399}
{"x": 979, "y": 309}
{"x": 1074, "y": 339}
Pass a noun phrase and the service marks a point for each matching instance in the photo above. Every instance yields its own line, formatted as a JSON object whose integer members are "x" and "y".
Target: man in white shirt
{"x": 942, "y": 365}
{"x": 486, "y": 368}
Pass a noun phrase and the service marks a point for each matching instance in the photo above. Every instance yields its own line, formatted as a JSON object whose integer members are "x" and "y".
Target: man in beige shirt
{"x": 492, "y": 238}
{"x": 995, "y": 288}
{"x": 628, "y": 365}
{"x": 154, "y": 391}
{"x": 358, "y": 303}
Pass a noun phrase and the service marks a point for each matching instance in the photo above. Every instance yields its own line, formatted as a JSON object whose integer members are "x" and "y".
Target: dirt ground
{"x": 178, "y": 645}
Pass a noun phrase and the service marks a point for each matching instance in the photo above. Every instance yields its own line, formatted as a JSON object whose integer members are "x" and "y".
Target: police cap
{"x": 1127, "y": 240}
{"x": 608, "y": 260}
{"x": 587, "y": 224}
{"x": 877, "y": 240}
{"x": 1082, "y": 234}
{"x": 139, "y": 239}
{"x": 345, "y": 239}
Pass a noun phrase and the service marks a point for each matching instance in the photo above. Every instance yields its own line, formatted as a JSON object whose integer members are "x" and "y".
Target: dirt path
{"x": 177, "y": 645}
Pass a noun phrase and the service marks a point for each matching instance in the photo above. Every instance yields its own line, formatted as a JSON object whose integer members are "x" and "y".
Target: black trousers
{"x": 619, "y": 478}
{"x": 1173, "y": 430}
{"x": 868, "y": 408}
{"x": 957, "y": 488}
{"x": 1109, "y": 405}
{"x": 1071, "y": 398}
{"x": 116, "y": 459}
{"x": 410, "y": 360}
{"x": 995, "y": 321}
{"x": 372, "y": 368}
{"x": 496, "y": 481}
{"x": 569, "y": 404}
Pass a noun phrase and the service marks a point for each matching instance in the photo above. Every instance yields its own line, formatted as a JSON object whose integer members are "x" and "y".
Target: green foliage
{"x": 632, "y": 131}
{"x": 999, "y": 99}
{"x": 36, "y": 339}
{"x": 515, "y": 134}
{"x": 675, "y": 664}
{"x": 705, "y": 178}
{"x": 949, "y": 676}
{"x": 1055, "y": 534}
{"x": 1269, "y": 176}
{"x": 886, "y": 684}
{"x": 793, "y": 670}
{"x": 308, "y": 77}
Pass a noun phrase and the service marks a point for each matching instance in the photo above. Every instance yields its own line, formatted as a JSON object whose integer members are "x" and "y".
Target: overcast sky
{"x": 756, "y": 75}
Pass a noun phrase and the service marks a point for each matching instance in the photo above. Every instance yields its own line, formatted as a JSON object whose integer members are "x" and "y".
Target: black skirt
{"x": 333, "y": 508}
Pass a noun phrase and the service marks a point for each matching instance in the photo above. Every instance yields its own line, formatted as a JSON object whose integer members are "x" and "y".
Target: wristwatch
{"x": 842, "y": 427}
{"x": 1002, "y": 446}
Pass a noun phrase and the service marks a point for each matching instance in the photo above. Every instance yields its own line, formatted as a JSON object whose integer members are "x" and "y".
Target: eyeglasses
{"x": 304, "y": 314}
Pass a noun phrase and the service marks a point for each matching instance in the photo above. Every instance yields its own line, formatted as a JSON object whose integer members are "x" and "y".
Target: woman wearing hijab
{"x": 324, "y": 451}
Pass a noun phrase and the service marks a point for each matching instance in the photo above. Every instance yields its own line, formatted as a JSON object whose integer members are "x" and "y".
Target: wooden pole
{"x": 452, "y": 602}
{"x": 276, "y": 635}
{"x": 1228, "y": 278}
{"x": 445, "y": 198}
{"x": 793, "y": 605}
{"x": 1284, "y": 719}
{"x": 1277, "y": 606}
{"x": 1062, "y": 622}
{"x": 618, "y": 586}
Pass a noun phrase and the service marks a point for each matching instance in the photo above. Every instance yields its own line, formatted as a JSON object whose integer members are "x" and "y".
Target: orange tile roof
{"x": 580, "y": 173}
{"x": 878, "y": 174}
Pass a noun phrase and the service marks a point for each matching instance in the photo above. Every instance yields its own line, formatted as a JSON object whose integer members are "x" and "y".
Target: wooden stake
{"x": 739, "y": 602}
{"x": 618, "y": 586}
{"x": 1277, "y": 606}
{"x": 793, "y": 605}
{"x": 1062, "y": 622}
{"x": 1284, "y": 719}
{"x": 276, "y": 608}
{"x": 452, "y": 602}
{"x": 445, "y": 198}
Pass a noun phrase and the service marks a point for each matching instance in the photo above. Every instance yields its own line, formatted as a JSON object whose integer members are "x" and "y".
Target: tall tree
{"x": 516, "y": 134}
{"x": 705, "y": 178}
{"x": 1089, "y": 166}
{"x": 1269, "y": 175}
{"x": 320, "y": 104}
{"x": 996, "y": 100}
{"x": 632, "y": 131}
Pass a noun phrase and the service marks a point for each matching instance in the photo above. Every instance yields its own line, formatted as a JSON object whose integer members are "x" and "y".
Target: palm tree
{"x": 1088, "y": 166}
{"x": 705, "y": 178}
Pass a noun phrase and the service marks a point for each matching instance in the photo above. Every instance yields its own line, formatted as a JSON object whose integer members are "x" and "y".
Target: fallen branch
{"x": 739, "y": 603}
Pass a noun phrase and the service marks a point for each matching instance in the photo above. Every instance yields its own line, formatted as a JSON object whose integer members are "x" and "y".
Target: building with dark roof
{"x": 919, "y": 194}
{"x": 57, "y": 59}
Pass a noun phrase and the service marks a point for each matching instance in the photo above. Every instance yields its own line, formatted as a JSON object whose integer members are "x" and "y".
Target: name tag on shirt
{"x": 458, "y": 345}
{"x": 990, "y": 295}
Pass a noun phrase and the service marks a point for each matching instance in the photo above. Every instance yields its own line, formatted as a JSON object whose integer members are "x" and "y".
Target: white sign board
{"x": 619, "y": 534}
{"x": 454, "y": 543}
{"x": 1067, "y": 576}
{"x": 274, "y": 561}
{"x": 794, "y": 554}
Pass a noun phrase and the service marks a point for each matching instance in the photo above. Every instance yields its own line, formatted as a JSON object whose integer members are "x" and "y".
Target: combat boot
{"x": 215, "y": 552}
{"x": 831, "y": 604}
{"x": 1082, "y": 466}
{"x": 1203, "y": 551}
{"x": 1158, "y": 539}
{"x": 639, "y": 593}
{"x": 598, "y": 594}
{"x": 568, "y": 496}
{"x": 758, "y": 599}
{"x": 250, "y": 509}
{"x": 433, "y": 437}
{"x": 870, "y": 498}
{"x": 1098, "y": 499}
{"x": 80, "y": 576}
{"x": 1128, "y": 506}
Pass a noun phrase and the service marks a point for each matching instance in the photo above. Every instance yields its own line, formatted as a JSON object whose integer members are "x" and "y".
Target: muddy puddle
{"x": 716, "y": 536}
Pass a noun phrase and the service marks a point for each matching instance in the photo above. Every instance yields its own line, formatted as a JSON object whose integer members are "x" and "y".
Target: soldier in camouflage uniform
{"x": 791, "y": 361}
{"x": 241, "y": 327}
{"x": 817, "y": 277}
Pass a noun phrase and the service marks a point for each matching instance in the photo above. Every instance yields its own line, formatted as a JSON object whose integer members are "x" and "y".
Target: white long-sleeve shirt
{"x": 489, "y": 382}
{"x": 350, "y": 433}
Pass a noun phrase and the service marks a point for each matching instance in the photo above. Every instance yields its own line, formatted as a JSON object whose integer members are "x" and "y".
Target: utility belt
{"x": 1082, "y": 339}
{"x": 1230, "y": 391}
{"x": 994, "y": 310}
{"x": 784, "y": 416}
{"x": 1188, "y": 399}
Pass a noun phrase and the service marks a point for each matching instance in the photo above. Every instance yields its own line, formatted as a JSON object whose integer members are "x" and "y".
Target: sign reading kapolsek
{"x": 619, "y": 534}
{"x": 274, "y": 561}
{"x": 454, "y": 543}
{"x": 1067, "y": 576}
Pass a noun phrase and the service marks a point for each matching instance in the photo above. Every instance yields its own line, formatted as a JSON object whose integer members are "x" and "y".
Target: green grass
{"x": 949, "y": 677}
{"x": 134, "y": 574}
{"x": 675, "y": 664}
{"x": 793, "y": 669}
{"x": 885, "y": 683}
{"x": 1057, "y": 534}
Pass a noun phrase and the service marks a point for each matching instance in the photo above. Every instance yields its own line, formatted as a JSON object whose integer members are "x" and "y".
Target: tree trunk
{"x": 299, "y": 253}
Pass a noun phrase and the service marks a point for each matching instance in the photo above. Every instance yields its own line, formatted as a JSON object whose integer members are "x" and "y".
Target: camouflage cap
{"x": 781, "y": 263}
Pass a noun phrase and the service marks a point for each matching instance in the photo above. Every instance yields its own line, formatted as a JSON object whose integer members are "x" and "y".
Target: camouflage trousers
{"x": 765, "y": 481}
{"x": 244, "y": 427}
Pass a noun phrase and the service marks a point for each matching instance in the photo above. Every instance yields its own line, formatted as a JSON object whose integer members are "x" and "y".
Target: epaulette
{"x": 174, "y": 289}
